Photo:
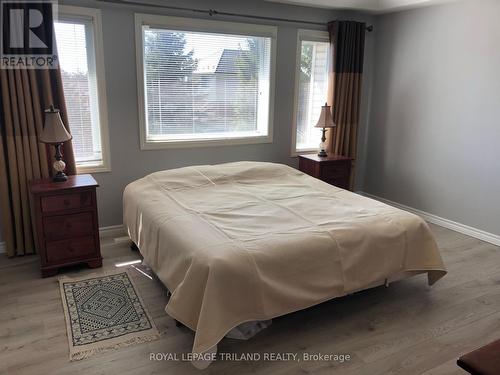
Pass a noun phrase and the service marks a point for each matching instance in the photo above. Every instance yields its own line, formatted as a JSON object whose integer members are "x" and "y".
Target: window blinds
{"x": 205, "y": 85}
{"x": 77, "y": 63}
{"x": 312, "y": 92}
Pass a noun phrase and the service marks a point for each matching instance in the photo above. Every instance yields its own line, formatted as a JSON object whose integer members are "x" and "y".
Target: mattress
{"x": 248, "y": 241}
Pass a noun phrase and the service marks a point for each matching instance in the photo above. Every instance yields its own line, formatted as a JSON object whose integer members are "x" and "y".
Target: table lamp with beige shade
{"x": 55, "y": 133}
{"x": 325, "y": 121}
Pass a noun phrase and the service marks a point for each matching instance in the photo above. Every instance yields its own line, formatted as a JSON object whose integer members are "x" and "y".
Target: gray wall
{"x": 434, "y": 136}
{"x": 128, "y": 161}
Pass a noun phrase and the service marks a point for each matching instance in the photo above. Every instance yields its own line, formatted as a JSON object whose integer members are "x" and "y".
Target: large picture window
{"x": 77, "y": 32}
{"x": 310, "y": 88}
{"x": 202, "y": 85}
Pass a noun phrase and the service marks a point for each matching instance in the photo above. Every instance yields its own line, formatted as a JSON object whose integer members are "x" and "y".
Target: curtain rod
{"x": 213, "y": 12}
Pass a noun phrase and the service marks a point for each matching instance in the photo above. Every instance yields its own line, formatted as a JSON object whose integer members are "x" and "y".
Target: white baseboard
{"x": 2, "y": 247}
{"x": 113, "y": 231}
{"x": 442, "y": 222}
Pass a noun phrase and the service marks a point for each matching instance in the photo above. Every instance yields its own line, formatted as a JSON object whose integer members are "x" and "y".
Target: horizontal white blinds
{"x": 312, "y": 94}
{"x": 204, "y": 85}
{"x": 76, "y": 60}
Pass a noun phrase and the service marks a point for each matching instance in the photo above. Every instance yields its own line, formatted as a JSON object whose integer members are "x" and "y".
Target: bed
{"x": 250, "y": 241}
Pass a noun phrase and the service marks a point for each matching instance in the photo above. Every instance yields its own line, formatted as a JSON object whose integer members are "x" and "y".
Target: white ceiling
{"x": 377, "y": 6}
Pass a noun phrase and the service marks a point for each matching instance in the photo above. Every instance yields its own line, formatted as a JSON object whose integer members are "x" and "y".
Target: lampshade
{"x": 54, "y": 131}
{"x": 325, "y": 119}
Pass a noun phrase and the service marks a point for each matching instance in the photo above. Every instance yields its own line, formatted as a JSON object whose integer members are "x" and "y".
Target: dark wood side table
{"x": 333, "y": 169}
{"x": 67, "y": 229}
{"x": 482, "y": 361}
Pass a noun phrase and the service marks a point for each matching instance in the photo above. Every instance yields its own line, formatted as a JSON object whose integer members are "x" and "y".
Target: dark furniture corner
{"x": 333, "y": 169}
{"x": 483, "y": 361}
{"x": 66, "y": 223}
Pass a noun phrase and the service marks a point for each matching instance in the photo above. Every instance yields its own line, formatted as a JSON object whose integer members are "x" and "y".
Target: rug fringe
{"x": 84, "y": 354}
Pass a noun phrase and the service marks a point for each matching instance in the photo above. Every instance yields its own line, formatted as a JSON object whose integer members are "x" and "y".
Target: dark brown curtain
{"x": 347, "y": 39}
{"x": 24, "y": 95}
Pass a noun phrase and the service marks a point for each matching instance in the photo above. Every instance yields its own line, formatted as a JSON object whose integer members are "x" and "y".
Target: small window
{"x": 311, "y": 87}
{"x": 204, "y": 84}
{"x": 80, "y": 59}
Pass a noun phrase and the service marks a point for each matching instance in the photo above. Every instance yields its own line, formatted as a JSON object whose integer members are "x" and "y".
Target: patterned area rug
{"x": 104, "y": 313}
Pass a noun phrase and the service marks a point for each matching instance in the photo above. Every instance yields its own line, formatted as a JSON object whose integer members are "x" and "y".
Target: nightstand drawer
{"x": 335, "y": 171}
{"x": 58, "y": 251}
{"x": 341, "y": 182}
{"x": 68, "y": 226}
{"x": 62, "y": 202}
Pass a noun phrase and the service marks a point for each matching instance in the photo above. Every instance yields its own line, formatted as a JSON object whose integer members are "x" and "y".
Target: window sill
{"x": 92, "y": 169}
{"x": 296, "y": 153}
{"x": 157, "y": 145}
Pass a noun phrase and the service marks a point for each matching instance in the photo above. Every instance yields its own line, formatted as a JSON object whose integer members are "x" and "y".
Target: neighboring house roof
{"x": 228, "y": 62}
{"x": 223, "y": 62}
{"x": 208, "y": 64}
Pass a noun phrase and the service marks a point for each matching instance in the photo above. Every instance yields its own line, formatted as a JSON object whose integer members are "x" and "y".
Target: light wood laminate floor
{"x": 407, "y": 328}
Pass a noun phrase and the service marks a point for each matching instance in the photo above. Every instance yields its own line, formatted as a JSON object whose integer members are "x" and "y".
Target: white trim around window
{"x": 309, "y": 35}
{"x": 143, "y": 21}
{"x": 67, "y": 12}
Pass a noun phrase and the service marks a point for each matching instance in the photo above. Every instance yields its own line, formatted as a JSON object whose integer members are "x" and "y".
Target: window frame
{"x": 200, "y": 25}
{"x": 313, "y": 36}
{"x": 69, "y": 12}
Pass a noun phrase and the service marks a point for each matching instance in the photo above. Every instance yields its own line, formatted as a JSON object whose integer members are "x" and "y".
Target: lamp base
{"x": 60, "y": 177}
{"x": 322, "y": 145}
{"x": 59, "y": 166}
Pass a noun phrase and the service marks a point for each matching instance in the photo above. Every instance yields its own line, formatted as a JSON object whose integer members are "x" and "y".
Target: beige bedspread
{"x": 250, "y": 241}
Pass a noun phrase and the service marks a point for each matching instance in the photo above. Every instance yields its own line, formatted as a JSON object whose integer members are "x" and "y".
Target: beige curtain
{"x": 25, "y": 94}
{"x": 348, "y": 40}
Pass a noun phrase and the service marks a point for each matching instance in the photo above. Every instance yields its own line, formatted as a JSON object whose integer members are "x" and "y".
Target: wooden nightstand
{"x": 333, "y": 169}
{"x": 66, "y": 223}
